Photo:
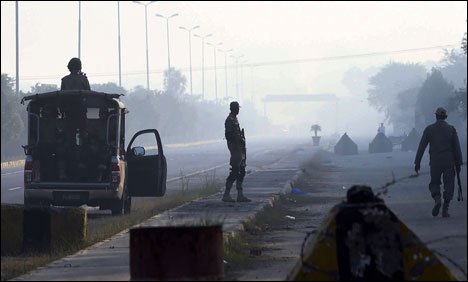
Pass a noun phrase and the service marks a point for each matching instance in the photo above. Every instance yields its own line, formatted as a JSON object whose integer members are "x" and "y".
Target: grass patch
{"x": 105, "y": 227}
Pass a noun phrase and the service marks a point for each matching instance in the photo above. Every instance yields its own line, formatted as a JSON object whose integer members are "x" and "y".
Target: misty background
{"x": 389, "y": 62}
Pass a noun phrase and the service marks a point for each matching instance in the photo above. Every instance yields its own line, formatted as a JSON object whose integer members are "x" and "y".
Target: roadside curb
{"x": 268, "y": 203}
{"x": 12, "y": 164}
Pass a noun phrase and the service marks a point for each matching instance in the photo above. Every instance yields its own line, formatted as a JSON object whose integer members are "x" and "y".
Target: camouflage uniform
{"x": 236, "y": 146}
{"x": 75, "y": 81}
{"x": 445, "y": 155}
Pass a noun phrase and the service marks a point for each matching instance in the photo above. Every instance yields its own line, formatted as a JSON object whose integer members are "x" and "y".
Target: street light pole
{"x": 79, "y": 29}
{"x": 167, "y": 31}
{"x": 17, "y": 49}
{"x": 190, "y": 52}
{"x": 225, "y": 70}
{"x": 118, "y": 24}
{"x": 236, "y": 58}
{"x": 215, "y": 72}
{"x": 203, "y": 61}
{"x": 146, "y": 28}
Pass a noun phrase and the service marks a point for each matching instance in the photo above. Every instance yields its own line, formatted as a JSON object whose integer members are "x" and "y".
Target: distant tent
{"x": 346, "y": 146}
{"x": 380, "y": 144}
{"x": 411, "y": 142}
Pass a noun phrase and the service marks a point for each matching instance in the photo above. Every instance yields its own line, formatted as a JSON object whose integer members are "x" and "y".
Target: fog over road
{"x": 183, "y": 161}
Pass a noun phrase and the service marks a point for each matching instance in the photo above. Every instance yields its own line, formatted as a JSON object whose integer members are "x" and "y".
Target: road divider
{"x": 41, "y": 228}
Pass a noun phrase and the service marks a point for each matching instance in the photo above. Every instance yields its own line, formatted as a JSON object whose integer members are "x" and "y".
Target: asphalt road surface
{"x": 182, "y": 161}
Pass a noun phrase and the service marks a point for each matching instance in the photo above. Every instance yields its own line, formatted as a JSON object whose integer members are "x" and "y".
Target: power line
{"x": 262, "y": 64}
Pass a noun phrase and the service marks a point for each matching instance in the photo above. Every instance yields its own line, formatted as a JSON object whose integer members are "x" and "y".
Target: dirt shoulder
{"x": 271, "y": 244}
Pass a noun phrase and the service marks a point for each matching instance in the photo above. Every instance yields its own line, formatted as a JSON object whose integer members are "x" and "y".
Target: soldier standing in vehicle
{"x": 236, "y": 145}
{"x": 445, "y": 157}
{"x": 76, "y": 80}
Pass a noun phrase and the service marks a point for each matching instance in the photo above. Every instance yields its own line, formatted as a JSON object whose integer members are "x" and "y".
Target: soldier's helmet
{"x": 234, "y": 105}
{"x": 441, "y": 112}
{"x": 74, "y": 64}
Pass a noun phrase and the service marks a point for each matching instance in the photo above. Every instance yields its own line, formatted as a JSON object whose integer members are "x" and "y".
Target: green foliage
{"x": 109, "y": 87}
{"x": 12, "y": 121}
{"x": 315, "y": 128}
{"x": 434, "y": 93}
{"x": 174, "y": 82}
{"x": 464, "y": 43}
{"x": 387, "y": 87}
{"x": 42, "y": 88}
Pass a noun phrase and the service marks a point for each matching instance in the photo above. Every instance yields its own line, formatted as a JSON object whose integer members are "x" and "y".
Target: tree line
{"x": 177, "y": 116}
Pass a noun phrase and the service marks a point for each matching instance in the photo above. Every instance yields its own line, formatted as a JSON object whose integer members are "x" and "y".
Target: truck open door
{"x": 146, "y": 165}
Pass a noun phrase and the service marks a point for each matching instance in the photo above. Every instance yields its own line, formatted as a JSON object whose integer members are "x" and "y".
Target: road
{"x": 181, "y": 161}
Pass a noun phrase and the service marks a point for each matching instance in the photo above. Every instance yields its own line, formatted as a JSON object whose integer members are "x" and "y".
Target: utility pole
{"x": 17, "y": 49}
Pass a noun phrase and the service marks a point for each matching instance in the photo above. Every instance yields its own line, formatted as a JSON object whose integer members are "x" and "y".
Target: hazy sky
{"x": 264, "y": 32}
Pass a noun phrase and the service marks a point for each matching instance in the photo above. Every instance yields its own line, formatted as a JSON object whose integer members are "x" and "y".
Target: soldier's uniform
{"x": 445, "y": 154}
{"x": 236, "y": 146}
{"x": 75, "y": 81}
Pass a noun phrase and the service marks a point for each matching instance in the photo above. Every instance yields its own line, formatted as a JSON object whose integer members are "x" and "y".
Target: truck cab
{"x": 76, "y": 154}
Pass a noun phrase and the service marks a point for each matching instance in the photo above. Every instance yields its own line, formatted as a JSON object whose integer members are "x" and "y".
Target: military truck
{"x": 76, "y": 154}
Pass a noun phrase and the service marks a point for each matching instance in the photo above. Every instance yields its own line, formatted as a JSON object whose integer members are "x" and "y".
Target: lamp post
{"x": 190, "y": 51}
{"x": 236, "y": 59}
{"x": 215, "y": 73}
{"x": 225, "y": 70}
{"x": 79, "y": 29}
{"x": 118, "y": 24}
{"x": 167, "y": 30}
{"x": 146, "y": 28}
{"x": 242, "y": 77}
{"x": 17, "y": 47}
{"x": 203, "y": 61}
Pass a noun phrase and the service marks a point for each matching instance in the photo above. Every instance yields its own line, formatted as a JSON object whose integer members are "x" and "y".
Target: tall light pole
{"x": 215, "y": 72}
{"x": 118, "y": 24}
{"x": 79, "y": 29}
{"x": 167, "y": 30}
{"x": 190, "y": 51}
{"x": 203, "y": 61}
{"x": 17, "y": 49}
{"x": 146, "y": 28}
{"x": 225, "y": 70}
{"x": 236, "y": 59}
{"x": 242, "y": 77}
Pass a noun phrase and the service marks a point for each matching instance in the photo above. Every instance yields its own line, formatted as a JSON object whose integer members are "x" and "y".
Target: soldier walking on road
{"x": 236, "y": 146}
{"x": 445, "y": 157}
{"x": 76, "y": 80}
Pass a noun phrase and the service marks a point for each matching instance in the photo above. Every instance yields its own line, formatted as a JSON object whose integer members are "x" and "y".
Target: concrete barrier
{"x": 11, "y": 229}
{"x": 51, "y": 228}
{"x": 41, "y": 228}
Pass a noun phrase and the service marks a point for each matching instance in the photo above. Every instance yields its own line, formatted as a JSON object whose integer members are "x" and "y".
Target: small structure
{"x": 411, "y": 142}
{"x": 380, "y": 144}
{"x": 346, "y": 146}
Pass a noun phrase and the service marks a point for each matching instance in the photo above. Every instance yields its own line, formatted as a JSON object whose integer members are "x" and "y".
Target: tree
{"x": 434, "y": 93}
{"x": 174, "y": 82}
{"x": 109, "y": 87}
{"x": 315, "y": 128}
{"x": 387, "y": 86}
{"x": 12, "y": 123}
{"x": 43, "y": 88}
{"x": 464, "y": 43}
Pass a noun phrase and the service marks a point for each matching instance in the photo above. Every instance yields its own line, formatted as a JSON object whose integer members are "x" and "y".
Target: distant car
{"x": 75, "y": 153}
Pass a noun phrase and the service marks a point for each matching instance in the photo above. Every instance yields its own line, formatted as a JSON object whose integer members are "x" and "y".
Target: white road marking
{"x": 14, "y": 172}
{"x": 197, "y": 172}
{"x": 11, "y": 189}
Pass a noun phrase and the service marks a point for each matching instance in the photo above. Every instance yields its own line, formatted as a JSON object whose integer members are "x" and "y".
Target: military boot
{"x": 436, "y": 208}
{"x": 240, "y": 195}
{"x": 227, "y": 196}
{"x": 445, "y": 209}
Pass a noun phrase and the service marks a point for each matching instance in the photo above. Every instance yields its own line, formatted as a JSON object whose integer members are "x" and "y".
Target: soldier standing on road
{"x": 236, "y": 144}
{"x": 445, "y": 158}
{"x": 76, "y": 80}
